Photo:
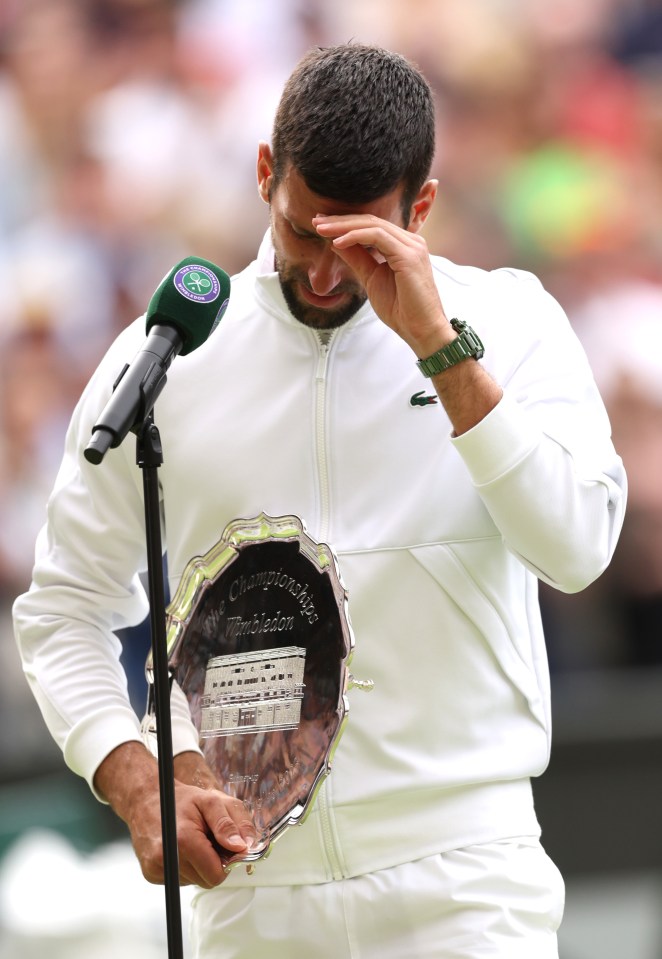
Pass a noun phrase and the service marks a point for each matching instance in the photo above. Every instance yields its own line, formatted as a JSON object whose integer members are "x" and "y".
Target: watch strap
{"x": 466, "y": 345}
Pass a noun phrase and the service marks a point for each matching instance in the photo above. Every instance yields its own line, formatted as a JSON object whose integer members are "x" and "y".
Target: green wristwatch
{"x": 466, "y": 344}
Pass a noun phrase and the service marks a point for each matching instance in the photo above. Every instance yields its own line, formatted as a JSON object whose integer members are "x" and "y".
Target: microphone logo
{"x": 197, "y": 283}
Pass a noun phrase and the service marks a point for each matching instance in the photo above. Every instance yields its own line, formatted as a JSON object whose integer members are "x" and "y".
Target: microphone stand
{"x": 149, "y": 456}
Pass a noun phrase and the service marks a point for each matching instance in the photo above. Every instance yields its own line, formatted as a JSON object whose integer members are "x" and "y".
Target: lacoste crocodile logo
{"x": 419, "y": 399}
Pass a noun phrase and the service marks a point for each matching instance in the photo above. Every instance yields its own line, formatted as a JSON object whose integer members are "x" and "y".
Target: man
{"x": 445, "y": 498}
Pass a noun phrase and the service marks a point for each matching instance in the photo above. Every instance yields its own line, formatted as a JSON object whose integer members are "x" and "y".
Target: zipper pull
{"x": 324, "y": 345}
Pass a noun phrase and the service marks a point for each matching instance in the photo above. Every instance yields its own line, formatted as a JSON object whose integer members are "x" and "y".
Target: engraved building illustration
{"x": 253, "y": 692}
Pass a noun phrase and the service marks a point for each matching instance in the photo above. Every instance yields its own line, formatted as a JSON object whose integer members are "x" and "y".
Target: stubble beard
{"x": 308, "y": 315}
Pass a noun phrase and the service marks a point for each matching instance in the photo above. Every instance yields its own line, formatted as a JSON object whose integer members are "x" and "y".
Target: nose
{"x": 326, "y": 271}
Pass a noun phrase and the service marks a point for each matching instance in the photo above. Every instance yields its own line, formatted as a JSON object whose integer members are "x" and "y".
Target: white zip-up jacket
{"x": 440, "y": 541}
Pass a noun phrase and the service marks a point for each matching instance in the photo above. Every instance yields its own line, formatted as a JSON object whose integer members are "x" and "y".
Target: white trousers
{"x": 502, "y": 899}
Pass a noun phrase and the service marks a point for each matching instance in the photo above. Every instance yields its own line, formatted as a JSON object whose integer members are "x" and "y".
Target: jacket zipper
{"x": 324, "y": 350}
{"x": 326, "y": 828}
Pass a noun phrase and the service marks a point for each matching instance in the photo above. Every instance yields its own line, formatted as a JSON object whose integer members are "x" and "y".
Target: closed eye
{"x": 303, "y": 234}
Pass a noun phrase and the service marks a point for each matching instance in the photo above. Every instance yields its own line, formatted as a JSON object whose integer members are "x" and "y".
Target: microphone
{"x": 184, "y": 311}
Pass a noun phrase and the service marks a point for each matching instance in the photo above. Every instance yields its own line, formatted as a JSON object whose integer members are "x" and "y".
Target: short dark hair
{"x": 355, "y": 121}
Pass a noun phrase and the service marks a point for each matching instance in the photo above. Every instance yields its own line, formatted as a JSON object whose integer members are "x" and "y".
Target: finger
{"x": 342, "y": 222}
{"x": 341, "y": 226}
{"x": 229, "y": 821}
{"x": 201, "y": 857}
{"x": 345, "y": 233}
{"x": 401, "y": 250}
{"x": 363, "y": 262}
{"x": 200, "y": 862}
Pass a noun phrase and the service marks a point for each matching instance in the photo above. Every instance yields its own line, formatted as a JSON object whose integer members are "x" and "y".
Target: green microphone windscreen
{"x": 192, "y": 297}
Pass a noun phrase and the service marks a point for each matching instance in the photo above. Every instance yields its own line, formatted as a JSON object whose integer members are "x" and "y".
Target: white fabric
{"x": 440, "y": 541}
{"x": 500, "y": 900}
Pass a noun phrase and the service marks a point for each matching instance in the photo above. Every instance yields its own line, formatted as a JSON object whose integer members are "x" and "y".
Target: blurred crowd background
{"x": 128, "y": 132}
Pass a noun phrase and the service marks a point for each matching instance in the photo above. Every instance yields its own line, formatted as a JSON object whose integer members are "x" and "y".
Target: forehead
{"x": 299, "y": 204}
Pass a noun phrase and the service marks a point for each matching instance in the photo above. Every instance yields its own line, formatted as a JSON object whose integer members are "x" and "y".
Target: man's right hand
{"x": 206, "y": 817}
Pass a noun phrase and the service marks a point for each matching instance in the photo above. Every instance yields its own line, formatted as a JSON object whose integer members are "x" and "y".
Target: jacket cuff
{"x": 496, "y": 445}
{"x": 90, "y": 742}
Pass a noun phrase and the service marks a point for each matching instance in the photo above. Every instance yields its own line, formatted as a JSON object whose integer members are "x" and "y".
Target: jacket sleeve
{"x": 543, "y": 461}
{"x": 85, "y": 585}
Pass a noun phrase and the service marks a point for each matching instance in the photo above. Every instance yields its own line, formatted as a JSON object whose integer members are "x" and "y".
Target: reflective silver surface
{"x": 259, "y": 640}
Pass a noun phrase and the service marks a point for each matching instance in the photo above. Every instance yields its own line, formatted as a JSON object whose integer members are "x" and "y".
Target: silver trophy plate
{"x": 259, "y": 640}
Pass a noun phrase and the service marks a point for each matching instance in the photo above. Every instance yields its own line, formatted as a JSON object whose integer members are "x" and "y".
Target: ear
{"x": 264, "y": 170}
{"x": 422, "y": 205}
